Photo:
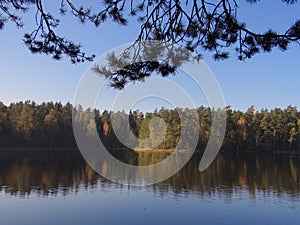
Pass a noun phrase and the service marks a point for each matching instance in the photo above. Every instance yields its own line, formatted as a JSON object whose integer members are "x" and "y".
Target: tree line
{"x": 49, "y": 124}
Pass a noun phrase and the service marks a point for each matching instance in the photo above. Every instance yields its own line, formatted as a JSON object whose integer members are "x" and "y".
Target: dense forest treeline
{"x": 28, "y": 124}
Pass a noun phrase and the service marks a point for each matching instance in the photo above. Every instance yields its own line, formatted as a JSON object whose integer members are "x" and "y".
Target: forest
{"x": 48, "y": 124}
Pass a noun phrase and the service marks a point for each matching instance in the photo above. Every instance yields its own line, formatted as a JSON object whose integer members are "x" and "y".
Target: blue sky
{"x": 266, "y": 81}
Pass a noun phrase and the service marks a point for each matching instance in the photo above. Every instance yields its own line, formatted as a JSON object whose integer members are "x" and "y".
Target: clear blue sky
{"x": 266, "y": 81}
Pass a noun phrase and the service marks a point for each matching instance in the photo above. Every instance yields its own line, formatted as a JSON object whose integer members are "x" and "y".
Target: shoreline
{"x": 155, "y": 150}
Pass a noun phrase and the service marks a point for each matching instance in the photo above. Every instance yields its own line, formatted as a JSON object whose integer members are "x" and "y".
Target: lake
{"x": 57, "y": 187}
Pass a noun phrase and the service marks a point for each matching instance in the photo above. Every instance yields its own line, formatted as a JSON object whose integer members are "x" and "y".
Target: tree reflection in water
{"x": 51, "y": 172}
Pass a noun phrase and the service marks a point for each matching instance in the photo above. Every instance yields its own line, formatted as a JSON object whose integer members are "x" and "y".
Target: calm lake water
{"x": 58, "y": 187}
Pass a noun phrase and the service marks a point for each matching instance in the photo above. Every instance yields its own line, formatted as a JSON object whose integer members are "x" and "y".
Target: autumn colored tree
{"x": 27, "y": 124}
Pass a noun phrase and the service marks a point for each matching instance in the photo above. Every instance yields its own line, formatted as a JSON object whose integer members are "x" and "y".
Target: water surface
{"x": 58, "y": 187}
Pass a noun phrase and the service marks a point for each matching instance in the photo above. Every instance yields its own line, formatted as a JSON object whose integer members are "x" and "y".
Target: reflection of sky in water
{"x": 57, "y": 187}
{"x": 115, "y": 205}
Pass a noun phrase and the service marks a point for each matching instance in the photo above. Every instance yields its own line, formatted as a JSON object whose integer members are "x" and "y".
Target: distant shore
{"x": 155, "y": 150}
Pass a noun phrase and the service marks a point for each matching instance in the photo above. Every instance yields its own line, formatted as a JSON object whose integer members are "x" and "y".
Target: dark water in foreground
{"x": 58, "y": 187}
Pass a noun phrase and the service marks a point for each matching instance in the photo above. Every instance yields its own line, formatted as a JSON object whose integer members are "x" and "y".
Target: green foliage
{"x": 212, "y": 26}
{"x": 27, "y": 124}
